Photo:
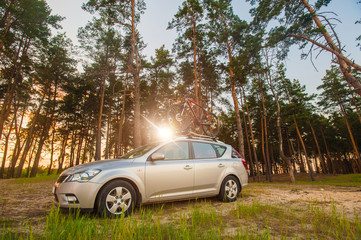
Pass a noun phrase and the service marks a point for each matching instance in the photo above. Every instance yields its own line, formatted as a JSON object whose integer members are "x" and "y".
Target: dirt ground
{"x": 20, "y": 200}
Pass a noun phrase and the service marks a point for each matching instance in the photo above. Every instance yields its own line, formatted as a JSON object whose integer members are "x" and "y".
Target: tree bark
{"x": 264, "y": 118}
{"x": 52, "y": 151}
{"x": 7, "y": 137}
{"x": 44, "y": 136}
{"x": 62, "y": 153}
{"x": 29, "y": 139}
{"x": 310, "y": 169}
{"x": 13, "y": 82}
{"x": 358, "y": 160}
{"x": 196, "y": 90}
{"x": 251, "y": 167}
{"x": 135, "y": 72}
{"x": 252, "y": 137}
{"x": 98, "y": 148}
{"x": 286, "y": 159}
{"x": 322, "y": 160}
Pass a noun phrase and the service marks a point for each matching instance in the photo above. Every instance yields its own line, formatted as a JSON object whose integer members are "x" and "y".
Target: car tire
{"x": 230, "y": 189}
{"x": 116, "y": 198}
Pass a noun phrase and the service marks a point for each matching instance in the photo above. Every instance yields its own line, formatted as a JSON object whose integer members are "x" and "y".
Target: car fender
{"x": 136, "y": 179}
{"x": 227, "y": 172}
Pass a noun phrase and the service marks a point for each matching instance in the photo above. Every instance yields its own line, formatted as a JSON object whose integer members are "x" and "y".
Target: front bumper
{"x": 75, "y": 194}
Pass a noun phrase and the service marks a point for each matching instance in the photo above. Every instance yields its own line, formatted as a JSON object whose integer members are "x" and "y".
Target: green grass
{"x": 347, "y": 180}
{"x": 37, "y": 179}
{"x": 200, "y": 220}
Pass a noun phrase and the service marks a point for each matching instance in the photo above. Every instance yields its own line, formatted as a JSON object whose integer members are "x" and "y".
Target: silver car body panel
{"x": 161, "y": 180}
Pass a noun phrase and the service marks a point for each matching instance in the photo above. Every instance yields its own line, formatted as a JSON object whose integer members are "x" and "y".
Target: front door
{"x": 172, "y": 177}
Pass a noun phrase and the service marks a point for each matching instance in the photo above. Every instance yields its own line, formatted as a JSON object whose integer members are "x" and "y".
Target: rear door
{"x": 209, "y": 168}
{"x": 172, "y": 177}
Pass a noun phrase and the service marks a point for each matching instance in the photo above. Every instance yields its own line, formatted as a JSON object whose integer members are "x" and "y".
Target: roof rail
{"x": 200, "y": 136}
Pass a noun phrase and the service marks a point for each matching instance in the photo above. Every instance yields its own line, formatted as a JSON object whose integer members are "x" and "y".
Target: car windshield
{"x": 139, "y": 151}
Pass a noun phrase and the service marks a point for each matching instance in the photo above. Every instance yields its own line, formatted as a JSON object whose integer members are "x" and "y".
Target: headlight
{"x": 83, "y": 176}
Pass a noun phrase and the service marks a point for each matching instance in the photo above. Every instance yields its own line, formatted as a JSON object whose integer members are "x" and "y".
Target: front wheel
{"x": 230, "y": 189}
{"x": 210, "y": 124}
{"x": 116, "y": 198}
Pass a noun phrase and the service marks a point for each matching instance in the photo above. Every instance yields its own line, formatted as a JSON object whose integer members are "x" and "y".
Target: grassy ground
{"x": 258, "y": 214}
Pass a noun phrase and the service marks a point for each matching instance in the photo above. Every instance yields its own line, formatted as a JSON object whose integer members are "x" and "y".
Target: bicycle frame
{"x": 190, "y": 102}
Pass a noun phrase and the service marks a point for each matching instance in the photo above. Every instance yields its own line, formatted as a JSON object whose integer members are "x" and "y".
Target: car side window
{"x": 175, "y": 151}
{"x": 203, "y": 150}
{"x": 220, "y": 150}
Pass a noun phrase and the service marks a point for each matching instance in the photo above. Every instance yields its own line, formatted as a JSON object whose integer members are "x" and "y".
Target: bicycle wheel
{"x": 210, "y": 124}
{"x": 179, "y": 117}
{"x": 160, "y": 118}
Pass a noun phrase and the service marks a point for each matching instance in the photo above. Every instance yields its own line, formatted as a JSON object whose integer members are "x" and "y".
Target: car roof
{"x": 203, "y": 139}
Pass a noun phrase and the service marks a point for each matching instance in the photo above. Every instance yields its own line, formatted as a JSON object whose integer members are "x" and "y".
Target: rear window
{"x": 203, "y": 150}
{"x": 235, "y": 154}
{"x": 220, "y": 150}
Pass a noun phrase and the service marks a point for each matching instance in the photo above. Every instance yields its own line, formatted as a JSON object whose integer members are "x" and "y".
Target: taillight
{"x": 244, "y": 163}
{"x": 239, "y": 156}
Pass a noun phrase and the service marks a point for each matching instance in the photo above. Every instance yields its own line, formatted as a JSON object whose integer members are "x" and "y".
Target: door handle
{"x": 187, "y": 167}
{"x": 220, "y": 165}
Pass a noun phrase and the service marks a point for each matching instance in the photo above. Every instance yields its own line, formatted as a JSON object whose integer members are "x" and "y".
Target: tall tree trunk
{"x": 86, "y": 149}
{"x": 196, "y": 90}
{"x": 52, "y": 151}
{"x": 72, "y": 148}
{"x": 13, "y": 82}
{"x": 304, "y": 149}
{"x": 286, "y": 159}
{"x": 19, "y": 145}
{"x": 62, "y": 153}
{"x": 7, "y": 137}
{"x": 251, "y": 167}
{"x": 30, "y": 136}
{"x": 322, "y": 160}
{"x": 264, "y": 118}
{"x": 98, "y": 147}
{"x": 43, "y": 137}
{"x": 358, "y": 160}
{"x": 30, "y": 158}
{"x": 252, "y": 137}
{"x": 262, "y": 148}
{"x": 331, "y": 168}
{"x": 235, "y": 102}
{"x": 135, "y": 70}
{"x": 78, "y": 152}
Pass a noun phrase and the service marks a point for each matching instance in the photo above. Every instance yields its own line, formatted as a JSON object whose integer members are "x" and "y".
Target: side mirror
{"x": 157, "y": 156}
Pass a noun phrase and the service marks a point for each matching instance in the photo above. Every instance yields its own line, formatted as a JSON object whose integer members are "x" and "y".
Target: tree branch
{"x": 339, "y": 55}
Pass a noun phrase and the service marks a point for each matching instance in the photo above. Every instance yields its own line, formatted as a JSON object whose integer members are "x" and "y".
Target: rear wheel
{"x": 210, "y": 124}
{"x": 230, "y": 189}
{"x": 116, "y": 198}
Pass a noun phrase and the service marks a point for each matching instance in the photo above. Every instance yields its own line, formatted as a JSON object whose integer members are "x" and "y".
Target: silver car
{"x": 176, "y": 169}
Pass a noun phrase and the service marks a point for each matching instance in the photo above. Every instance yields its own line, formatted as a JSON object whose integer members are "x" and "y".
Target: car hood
{"x": 102, "y": 165}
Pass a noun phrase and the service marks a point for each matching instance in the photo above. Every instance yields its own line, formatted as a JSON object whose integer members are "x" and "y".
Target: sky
{"x": 154, "y": 22}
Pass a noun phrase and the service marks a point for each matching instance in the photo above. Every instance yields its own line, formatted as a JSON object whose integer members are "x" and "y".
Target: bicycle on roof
{"x": 190, "y": 116}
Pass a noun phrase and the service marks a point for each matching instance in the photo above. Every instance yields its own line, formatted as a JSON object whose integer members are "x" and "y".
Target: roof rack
{"x": 200, "y": 136}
